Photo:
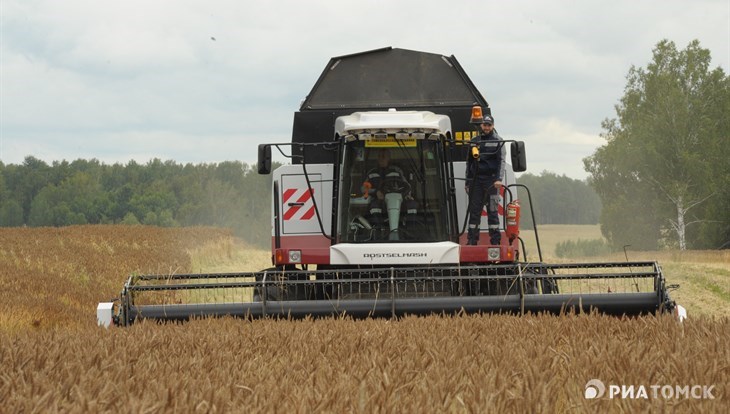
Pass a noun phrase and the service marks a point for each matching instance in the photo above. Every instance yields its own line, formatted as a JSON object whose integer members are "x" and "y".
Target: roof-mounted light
{"x": 401, "y": 135}
{"x": 476, "y": 114}
{"x": 381, "y": 135}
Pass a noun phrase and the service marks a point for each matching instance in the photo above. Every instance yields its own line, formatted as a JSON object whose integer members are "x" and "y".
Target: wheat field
{"x": 53, "y": 357}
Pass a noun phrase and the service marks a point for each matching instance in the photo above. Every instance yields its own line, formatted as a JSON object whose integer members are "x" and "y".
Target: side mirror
{"x": 264, "y": 162}
{"x": 519, "y": 158}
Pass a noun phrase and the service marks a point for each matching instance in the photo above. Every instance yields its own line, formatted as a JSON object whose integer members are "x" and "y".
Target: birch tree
{"x": 659, "y": 153}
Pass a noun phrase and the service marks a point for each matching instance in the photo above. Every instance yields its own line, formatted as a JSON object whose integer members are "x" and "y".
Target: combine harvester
{"x": 336, "y": 251}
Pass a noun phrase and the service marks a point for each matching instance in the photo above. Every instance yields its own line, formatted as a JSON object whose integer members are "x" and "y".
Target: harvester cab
{"x": 369, "y": 217}
{"x": 384, "y": 192}
{"x": 388, "y": 197}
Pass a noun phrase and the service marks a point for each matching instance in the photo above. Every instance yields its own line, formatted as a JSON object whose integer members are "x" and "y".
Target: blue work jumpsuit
{"x": 481, "y": 174}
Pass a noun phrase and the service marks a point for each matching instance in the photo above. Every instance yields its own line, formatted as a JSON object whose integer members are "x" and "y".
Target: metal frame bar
{"x": 612, "y": 304}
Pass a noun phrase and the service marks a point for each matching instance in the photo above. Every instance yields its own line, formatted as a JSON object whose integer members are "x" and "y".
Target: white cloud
{"x": 559, "y": 147}
{"x": 561, "y": 132}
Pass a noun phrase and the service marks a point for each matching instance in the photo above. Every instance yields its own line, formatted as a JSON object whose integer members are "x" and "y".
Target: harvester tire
{"x": 276, "y": 287}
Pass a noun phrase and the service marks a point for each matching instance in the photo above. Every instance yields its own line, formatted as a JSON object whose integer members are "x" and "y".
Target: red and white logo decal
{"x": 298, "y": 204}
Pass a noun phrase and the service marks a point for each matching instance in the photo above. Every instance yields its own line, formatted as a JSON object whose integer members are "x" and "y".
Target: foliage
{"x": 558, "y": 200}
{"x": 229, "y": 194}
{"x": 167, "y": 194}
{"x": 11, "y": 214}
{"x": 663, "y": 175}
{"x": 582, "y": 248}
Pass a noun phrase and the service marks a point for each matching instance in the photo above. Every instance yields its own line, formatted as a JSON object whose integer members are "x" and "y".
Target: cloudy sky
{"x": 206, "y": 81}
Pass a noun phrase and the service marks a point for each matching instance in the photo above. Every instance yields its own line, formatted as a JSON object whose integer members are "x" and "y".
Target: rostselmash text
{"x": 372, "y": 256}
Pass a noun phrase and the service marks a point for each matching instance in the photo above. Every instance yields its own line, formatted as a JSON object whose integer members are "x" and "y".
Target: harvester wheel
{"x": 276, "y": 287}
{"x": 324, "y": 290}
{"x": 498, "y": 285}
{"x": 531, "y": 284}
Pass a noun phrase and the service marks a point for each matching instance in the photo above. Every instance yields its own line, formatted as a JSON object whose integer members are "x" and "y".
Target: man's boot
{"x": 473, "y": 237}
{"x": 495, "y": 237}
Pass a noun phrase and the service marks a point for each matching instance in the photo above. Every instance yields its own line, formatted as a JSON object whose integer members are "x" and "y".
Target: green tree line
{"x": 557, "y": 199}
{"x": 663, "y": 175}
{"x": 229, "y": 194}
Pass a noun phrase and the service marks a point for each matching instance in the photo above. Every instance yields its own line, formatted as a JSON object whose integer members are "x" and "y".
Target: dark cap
{"x": 488, "y": 120}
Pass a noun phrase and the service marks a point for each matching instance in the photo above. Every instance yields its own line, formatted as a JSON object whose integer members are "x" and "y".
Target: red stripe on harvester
{"x": 309, "y": 214}
{"x": 288, "y": 193}
{"x": 306, "y": 196}
{"x": 289, "y": 213}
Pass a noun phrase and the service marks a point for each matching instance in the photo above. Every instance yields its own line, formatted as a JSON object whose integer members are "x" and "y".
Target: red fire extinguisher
{"x": 513, "y": 220}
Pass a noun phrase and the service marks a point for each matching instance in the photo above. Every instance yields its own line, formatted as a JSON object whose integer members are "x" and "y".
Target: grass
{"x": 703, "y": 275}
{"x": 551, "y": 235}
{"x": 228, "y": 255}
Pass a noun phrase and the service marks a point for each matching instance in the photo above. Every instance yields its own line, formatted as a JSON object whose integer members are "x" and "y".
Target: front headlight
{"x": 295, "y": 256}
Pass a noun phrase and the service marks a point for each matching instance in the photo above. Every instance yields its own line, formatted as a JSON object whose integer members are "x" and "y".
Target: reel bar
{"x": 628, "y": 288}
